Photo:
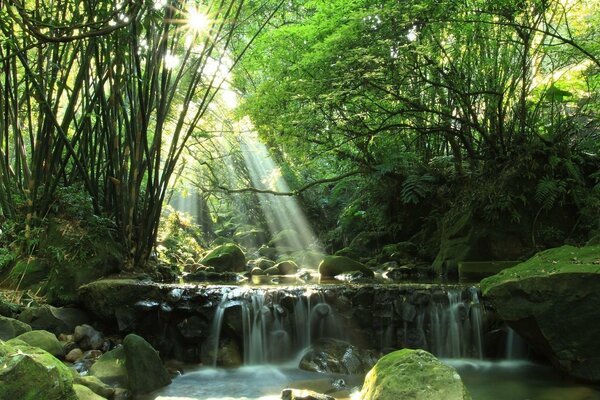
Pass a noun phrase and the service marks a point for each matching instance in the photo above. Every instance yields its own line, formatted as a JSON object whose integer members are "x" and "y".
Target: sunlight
{"x": 197, "y": 21}
{"x": 171, "y": 61}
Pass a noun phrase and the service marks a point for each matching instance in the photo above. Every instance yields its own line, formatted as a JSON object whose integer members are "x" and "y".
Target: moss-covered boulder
{"x": 226, "y": 257}
{"x": 336, "y": 265}
{"x": 552, "y": 300}
{"x": 30, "y": 373}
{"x": 415, "y": 375}
{"x": 44, "y": 340}
{"x": 10, "y": 328}
{"x": 85, "y": 393}
{"x": 145, "y": 369}
{"x": 110, "y": 368}
{"x": 287, "y": 267}
{"x": 28, "y": 272}
{"x": 95, "y": 385}
{"x": 54, "y": 319}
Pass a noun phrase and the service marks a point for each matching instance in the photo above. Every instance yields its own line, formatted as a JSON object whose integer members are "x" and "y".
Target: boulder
{"x": 44, "y": 340}
{"x": 145, "y": 369}
{"x": 74, "y": 355}
{"x": 287, "y": 267}
{"x": 30, "y": 373}
{"x": 551, "y": 300}
{"x": 296, "y": 394}
{"x": 415, "y": 375}
{"x": 53, "y": 319}
{"x": 85, "y": 393}
{"x": 226, "y": 257}
{"x": 28, "y": 272}
{"x": 110, "y": 368}
{"x": 335, "y": 265}
{"x": 88, "y": 338}
{"x": 332, "y": 356}
{"x": 95, "y": 385}
{"x": 10, "y": 328}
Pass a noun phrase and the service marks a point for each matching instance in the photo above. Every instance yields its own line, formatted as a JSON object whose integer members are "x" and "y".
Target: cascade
{"x": 516, "y": 348}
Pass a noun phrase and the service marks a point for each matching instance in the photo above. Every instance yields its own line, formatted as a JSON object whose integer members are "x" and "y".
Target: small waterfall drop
{"x": 516, "y": 348}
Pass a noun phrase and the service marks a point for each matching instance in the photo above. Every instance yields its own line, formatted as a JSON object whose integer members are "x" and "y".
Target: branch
{"x": 294, "y": 192}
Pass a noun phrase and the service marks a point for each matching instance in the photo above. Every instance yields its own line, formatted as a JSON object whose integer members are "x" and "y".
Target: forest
{"x": 342, "y": 144}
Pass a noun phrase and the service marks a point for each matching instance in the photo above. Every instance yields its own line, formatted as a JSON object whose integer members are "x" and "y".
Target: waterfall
{"x": 276, "y": 325}
{"x": 456, "y": 328}
{"x": 516, "y": 348}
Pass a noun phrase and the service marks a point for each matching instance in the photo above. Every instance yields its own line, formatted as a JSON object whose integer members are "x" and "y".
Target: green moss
{"x": 84, "y": 393}
{"x": 559, "y": 260}
{"x": 110, "y": 368}
{"x": 30, "y": 373}
{"x": 336, "y": 265}
{"x": 415, "y": 375}
{"x": 10, "y": 328}
{"x": 42, "y": 339}
{"x": 226, "y": 257}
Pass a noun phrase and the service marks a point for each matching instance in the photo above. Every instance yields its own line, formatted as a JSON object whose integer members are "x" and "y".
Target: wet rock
{"x": 287, "y": 267}
{"x": 551, "y": 300}
{"x": 272, "y": 271}
{"x": 121, "y": 394}
{"x": 210, "y": 276}
{"x": 193, "y": 328}
{"x": 74, "y": 355}
{"x": 412, "y": 374}
{"x": 32, "y": 373}
{"x": 229, "y": 355}
{"x": 85, "y": 393}
{"x": 95, "y": 385}
{"x": 257, "y": 271}
{"x": 226, "y": 257}
{"x": 10, "y": 328}
{"x": 355, "y": 277}
{"x": 297, "y": 394}
{"x": 333, "y": 356}
{"x": 44, "y": 340}
{"x": 336, "y": 265}
{"x": 145, "y": 369}
{"x": 88, "y": 338}
{"x": 110, "y": 368}
{"x": 53, "y": 319}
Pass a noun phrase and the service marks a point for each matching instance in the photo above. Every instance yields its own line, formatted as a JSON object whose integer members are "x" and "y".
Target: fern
{"x": 548, "y": 190}
{"x": 415, "y": 188}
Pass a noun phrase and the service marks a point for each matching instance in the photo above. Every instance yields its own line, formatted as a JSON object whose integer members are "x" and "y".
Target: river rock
{"x": 296, "y": 394}
{"x": 145, "y": 369}
{"x": 10, "y": 328}
{"x": 287, "y": 267}
{"x": 53, "y": 319}
{"x": 415, "y": 375}
{"x": 85, "y": 393}
{"x": 30, "y": 373}
{"x": 44, "y": 340}
{"x": 95, "y": 385}
{"x": 110, "y": 368}
{"x": 88, "y": 338}
{"x": 336, "y": 265}
{"x": 74, "y": 355}
{"x": 334, "y": 356}
{"x": 551, "y": 300}
{"x": 226, "y": 257}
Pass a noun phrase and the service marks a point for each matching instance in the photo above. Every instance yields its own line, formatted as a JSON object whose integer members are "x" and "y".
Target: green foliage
{"x": 548, "y": 191}
{"x": 415, "y": 188}
{"x": 178, "y": 240}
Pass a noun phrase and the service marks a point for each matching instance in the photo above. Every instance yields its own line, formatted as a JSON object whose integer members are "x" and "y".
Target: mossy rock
{"x": 95, "y": 385}
{"x": 287, "y": 267}
{"x": 336, "y": 265}
{"x": 44, "y": 340}
{"x": 54, "y": 319}
{"x": 415, "y": 375}
{"x": 268, "y": 252}
{"x": 85, "y": 393}
{"x": 30, "y": 373}
{"x": 10, "y": 328}
{"x": 226, "y": 258}
{"x": 28, "y": 272}
{"x": 552, "y": 300}
{"x": 110, "y": 368}
{"x": 145, "y": 369}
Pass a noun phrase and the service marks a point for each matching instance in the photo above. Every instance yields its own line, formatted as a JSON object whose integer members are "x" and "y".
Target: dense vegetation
{"x": 469, "y": 129}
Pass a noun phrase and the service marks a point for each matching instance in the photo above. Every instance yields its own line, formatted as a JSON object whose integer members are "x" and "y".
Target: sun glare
{"x": 197, "y": 21}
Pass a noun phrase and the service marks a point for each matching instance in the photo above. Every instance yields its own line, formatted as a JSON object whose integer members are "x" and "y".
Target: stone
{"x": 44, "y": 340}
{"x": 88, "y": 338}
{"x": 271, "y": 271}
{"x": 297, "y": 394}
{"x": 193, "y": 327}
{"x": 415, "y": 375}
{"x": 335, "y": 265}
{"x": 121, "y": 394}
{"x": 110, "y": 368}
{"x": 95, "y": 385}
{"x": 257, "y": 271}
{"x": 226, "y": 258}
{"x": 30, "y": 373}
{"x": 287, "y": 267}
{"x": 84, "y": 393}
{"x": 145, "y": 369}
{"x": 551, "y": 300}
{"x": 74, "y": 355}
{"x": 10, "y": 328}
{"x": 53, "y": 319}
{"x": 229, "y": 355}
{"x": 332, "y": 356}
